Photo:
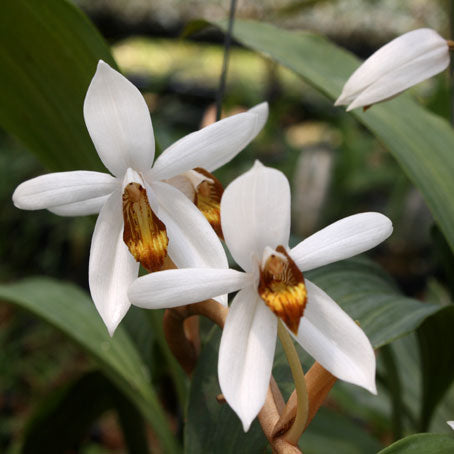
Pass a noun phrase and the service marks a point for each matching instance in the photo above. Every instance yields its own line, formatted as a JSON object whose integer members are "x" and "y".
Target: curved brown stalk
{"x": 319, "y": 383}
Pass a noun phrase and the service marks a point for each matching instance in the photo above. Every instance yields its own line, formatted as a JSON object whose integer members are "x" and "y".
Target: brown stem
{"x": 319, "y": 383}
{"x": 191, "y": 331}
{"x": 186, "y": 353}
{"x": 269, "y": 416}
{"x": 183, "y": 349}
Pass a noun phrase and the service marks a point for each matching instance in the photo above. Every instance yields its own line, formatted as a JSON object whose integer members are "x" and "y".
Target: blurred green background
{"x": 336, "y": 167}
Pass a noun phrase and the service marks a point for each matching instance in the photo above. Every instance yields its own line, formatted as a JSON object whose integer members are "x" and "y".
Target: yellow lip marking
{"x": 144, "y": 233}
{"x": 208, "y": 199}
{"x": 282, "y": 288}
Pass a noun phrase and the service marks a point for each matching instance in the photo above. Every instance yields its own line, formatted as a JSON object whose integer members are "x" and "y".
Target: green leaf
{"x": 394, "y": 385}
{"x": 422, "y": 444}
{"x": 436, "y": 338}
{"x": 368, "y": 295}
{"x": 334, "y": 432}
{"x": 62, "y": 420}
{"x": 421, "y": 142}
{"x": 193, "y": 27}
{"x": 48, "y": 55}
{"x": 412, "y": 360}
{"x": 71, "y": 311}
{"x": 405, "y": 351}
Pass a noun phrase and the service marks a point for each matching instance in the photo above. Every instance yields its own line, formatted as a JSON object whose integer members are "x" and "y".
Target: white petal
{"x": 212, "y": 146}
{"x": 173, "y": 288}
{"x": 395, "y": 82}
{"x": 183, "y": 184}
{"x": 111, "y": 268}
{"x": 261, "y": 110}
{"x": 86, "y": 207}
{"x": 342, "y": 239}
{"x": 451, "y": 424}
{"x": 55, "y": 189}
{"x": 246, "y": 354}
{"x": 255, "y": 213}
{"x": 192, "y": 241}
{"x": 403, "y": 62}
{"x": 118, "y": 121}
{"x": 331, "y": 337}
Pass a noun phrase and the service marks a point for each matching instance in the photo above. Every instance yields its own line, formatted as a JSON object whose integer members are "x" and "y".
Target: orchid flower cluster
{"x": 173, "y": 210}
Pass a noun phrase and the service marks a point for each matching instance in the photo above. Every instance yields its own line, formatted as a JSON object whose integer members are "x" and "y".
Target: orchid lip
{"x": 144, "y": 233}
{"x": 282, "y": 287}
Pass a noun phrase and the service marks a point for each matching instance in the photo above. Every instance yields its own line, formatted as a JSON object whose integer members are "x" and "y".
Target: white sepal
{"x": 55, "y": 189}
{"x": 255, "y": 213}
{"x": 83, "y": 208}
{"x": 246, "y": 354}
{"x": 172, "y": 288}
{"x": 118, "y": 121}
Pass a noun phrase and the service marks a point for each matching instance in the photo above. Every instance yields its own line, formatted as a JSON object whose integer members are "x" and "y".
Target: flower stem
{"x": 302, "y": 407}
{"x": 227, "y": 42}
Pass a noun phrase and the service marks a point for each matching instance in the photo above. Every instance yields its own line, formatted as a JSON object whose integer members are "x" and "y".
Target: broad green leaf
{"x": 421, "y": 142}
{"x": 366, "y": 293}
{"x": 406, "y": 352}
{"x": 48, "y": 55}
{"x": 436, "y": 340}
{"x": 422, "y": 444}
{"x": 63, "y": 418}
{"x": 213, "y": 427}
{"x": 409, "y": 362}
{"x": 393, "y": 383}
{"x": 71, "y": 311}
{"x": 334, "y": 432}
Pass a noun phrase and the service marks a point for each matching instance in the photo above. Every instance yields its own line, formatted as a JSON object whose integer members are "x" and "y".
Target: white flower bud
{"x": 403, "y": 62}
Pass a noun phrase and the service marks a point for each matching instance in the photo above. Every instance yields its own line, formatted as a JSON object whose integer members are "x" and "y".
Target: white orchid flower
{"x": 136, "y": 205}
{"x": 400, "y": 64}
{"x": 451, "y": 424}
{"x": 255, "y": 215}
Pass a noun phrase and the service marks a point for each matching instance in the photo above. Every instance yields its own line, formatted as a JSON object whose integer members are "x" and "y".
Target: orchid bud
{"x": 403, "y": 62}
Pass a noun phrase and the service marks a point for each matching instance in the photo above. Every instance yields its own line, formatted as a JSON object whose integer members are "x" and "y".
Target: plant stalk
{"x": 225, "y": 63}
{"x": 302, "y": 407}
